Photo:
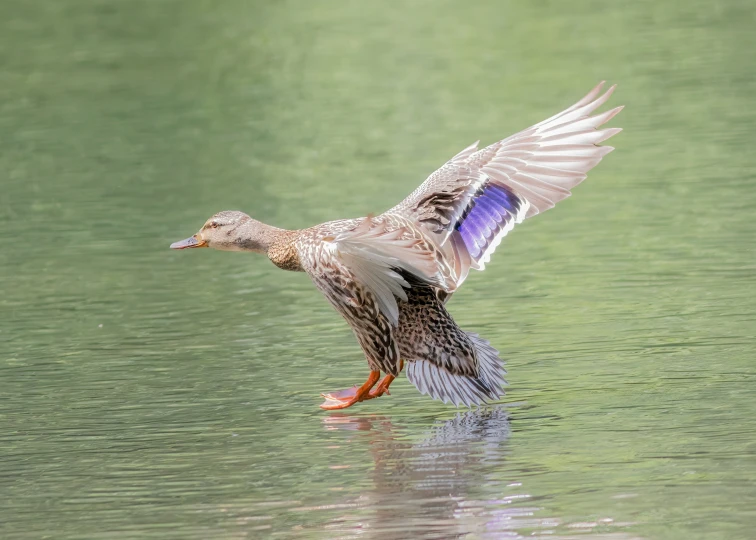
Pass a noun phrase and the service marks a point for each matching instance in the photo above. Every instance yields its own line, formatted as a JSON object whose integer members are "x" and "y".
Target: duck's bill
{"x": 191, "y": 242}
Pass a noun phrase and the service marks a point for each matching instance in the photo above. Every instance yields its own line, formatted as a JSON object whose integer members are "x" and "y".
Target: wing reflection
{"x": 423, "y": 489}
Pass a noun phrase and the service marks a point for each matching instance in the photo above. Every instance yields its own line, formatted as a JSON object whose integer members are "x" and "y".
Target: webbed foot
{"x": 341, "y": 399}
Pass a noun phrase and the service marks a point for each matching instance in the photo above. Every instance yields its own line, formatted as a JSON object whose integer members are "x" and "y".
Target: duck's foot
{"x": 342, "y": 395}
{"x": 335, "y": 404}
{"x": 341, "y": 399}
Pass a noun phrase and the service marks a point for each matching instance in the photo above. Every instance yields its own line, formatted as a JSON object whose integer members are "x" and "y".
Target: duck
{"x": 391, "y": 275}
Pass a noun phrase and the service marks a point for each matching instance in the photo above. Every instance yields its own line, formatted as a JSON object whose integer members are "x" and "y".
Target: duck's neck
{"x": 277, "y": 244}
{"x": 256, "y": 236}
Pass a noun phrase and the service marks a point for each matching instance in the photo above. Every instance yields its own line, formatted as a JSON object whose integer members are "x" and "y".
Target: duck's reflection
{"x": 435, "y": 487}
{"x": 451, "y": 483}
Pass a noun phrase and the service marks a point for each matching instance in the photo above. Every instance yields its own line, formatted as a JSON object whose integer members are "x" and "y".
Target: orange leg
{"x": 383, "y": 386}
{"x": 341, "y": 399}
{"x": 346, "y": 398}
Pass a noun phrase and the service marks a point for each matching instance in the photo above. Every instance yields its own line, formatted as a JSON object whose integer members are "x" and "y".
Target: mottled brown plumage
{"x": 284, "y": 253}
{"x": 390, "y": 275}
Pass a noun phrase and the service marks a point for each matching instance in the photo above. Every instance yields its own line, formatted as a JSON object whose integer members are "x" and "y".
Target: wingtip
{"x": 590, "y": 96}
{"x": 612, "y": 113}
{"x": 609, "y": 91}
{"x": 598, "y": 99}
{"x": 607, "y": 133}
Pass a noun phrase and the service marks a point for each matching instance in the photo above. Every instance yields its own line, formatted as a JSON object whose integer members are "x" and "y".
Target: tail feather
{"x": 441, "y": 384}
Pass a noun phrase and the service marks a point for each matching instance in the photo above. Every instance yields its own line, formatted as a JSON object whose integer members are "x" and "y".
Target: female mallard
{"x": 391, "y": 275}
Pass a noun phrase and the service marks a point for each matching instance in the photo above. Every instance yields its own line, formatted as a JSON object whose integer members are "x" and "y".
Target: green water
{"x": 146, "y": 393}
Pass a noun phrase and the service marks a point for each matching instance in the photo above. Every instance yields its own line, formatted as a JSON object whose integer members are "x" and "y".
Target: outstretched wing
{"x": 477, "y": 197}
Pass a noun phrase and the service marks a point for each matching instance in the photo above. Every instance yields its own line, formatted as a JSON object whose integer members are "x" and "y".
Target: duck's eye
{"x": 214, "y": 224}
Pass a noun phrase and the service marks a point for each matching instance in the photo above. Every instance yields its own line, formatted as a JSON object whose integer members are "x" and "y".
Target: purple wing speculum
{"x": 491, "y": 210}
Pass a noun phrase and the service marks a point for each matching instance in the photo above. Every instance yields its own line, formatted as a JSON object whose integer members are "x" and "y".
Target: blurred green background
{"x": 157, "y": 394}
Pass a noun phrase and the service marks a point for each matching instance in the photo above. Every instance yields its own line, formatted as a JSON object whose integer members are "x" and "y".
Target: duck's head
{"x": 230, "y": 230}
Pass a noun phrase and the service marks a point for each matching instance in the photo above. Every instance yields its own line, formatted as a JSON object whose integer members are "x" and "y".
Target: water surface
{"x": 157, "y": 394}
